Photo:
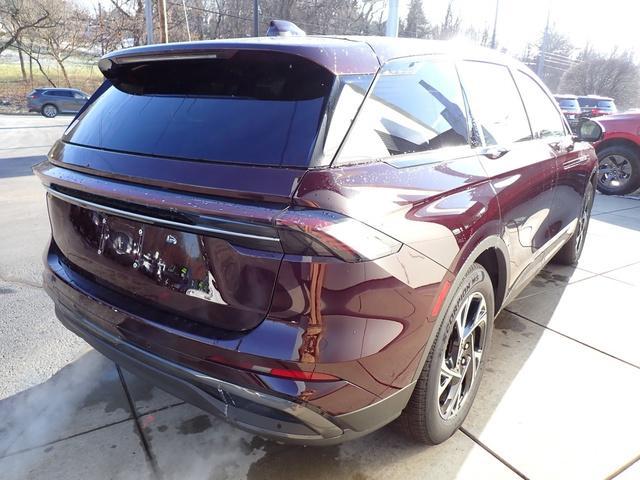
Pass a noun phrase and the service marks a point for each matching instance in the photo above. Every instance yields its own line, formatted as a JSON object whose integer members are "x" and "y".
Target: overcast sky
{"x": 605, "y": 24}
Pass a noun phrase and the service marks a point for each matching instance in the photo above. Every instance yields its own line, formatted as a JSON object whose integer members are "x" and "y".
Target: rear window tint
{"x": 248, "y": 107}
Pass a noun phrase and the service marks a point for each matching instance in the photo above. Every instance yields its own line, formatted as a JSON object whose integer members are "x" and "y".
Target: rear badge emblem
{"x": 171, "y": 240}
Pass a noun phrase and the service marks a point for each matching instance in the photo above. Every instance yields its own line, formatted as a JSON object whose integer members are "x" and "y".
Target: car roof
{"x": 566, "y": 96}
{"x": 340, "y": 55}
{"x": 596, "y": 97}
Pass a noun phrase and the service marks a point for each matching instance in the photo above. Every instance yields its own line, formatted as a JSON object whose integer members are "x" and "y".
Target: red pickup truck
{"x": 619, "y": 154}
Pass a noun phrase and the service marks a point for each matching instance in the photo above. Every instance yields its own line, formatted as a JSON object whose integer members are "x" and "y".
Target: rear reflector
{"x": 276, "y": 372}
{"x": 440, "y": 300}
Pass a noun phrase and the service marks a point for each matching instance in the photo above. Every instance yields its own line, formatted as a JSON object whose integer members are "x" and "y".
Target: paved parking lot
{"x": 560, "y": 398}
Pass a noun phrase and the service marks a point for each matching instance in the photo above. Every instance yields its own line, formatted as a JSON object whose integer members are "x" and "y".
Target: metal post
{"x": 392, "y": 19}
{"x": 495, "y": 25}
{"x": 162, "y": 16}
{"x": 148, "y": 16}
{"x": 256, "y": 14}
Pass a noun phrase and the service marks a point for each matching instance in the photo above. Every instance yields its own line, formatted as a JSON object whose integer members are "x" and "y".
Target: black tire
{"x": 570, "y": 253}
{"x": 422, "y": 419}
{"x": 629, "y": 159}
{"x": 49, "y": 110}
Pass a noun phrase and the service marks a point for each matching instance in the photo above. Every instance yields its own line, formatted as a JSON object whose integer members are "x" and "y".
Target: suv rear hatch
{"x": 168, "y": 186}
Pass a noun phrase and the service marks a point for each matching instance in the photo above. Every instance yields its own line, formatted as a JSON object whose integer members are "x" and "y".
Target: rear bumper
{"x": 277, "y": 417}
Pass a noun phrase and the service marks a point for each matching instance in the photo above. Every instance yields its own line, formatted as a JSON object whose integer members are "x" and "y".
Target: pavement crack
{"x": 492, "y": 453}
{"x": 136, "y": 419}
{"x": 573, "y": 339}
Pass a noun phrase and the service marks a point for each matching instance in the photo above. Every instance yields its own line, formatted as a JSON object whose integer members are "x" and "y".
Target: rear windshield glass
{"x": 568, "y": 103}
{"x": 596, "y": 102}
{"x": 244, "y": 107}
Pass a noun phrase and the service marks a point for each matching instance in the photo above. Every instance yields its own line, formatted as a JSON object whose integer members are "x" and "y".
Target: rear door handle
{"x": 494, "y": 152}
{"x": 561, "y": 145}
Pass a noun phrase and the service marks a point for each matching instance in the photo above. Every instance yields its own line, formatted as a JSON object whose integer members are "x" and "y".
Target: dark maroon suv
{"x": 311, "y": 236}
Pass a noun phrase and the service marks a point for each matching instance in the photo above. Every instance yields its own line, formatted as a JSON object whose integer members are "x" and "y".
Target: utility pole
{"x": 148, "y": 16}
{"x": 392, "y": 19}
{"x": 543, "y": 50}
{"x": 495, "y": 25}
{"x": 256, "y": 14}
{"x": 162, "y": 16}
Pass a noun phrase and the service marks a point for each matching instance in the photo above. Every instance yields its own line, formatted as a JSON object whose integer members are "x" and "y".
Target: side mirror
{"x": 589, "y": 131}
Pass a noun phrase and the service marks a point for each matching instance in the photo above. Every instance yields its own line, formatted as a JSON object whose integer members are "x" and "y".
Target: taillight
{"x": 328, "y": 234}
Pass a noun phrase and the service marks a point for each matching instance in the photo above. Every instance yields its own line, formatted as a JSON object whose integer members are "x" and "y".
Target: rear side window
{"x": 543, "y": 114}
{"x": 606, "y": 104}
{"x": 587, "y": 102}
{"x": 495, "y": 102}
{"x": 415, "y": 105}
{"x": 245, "y": 107}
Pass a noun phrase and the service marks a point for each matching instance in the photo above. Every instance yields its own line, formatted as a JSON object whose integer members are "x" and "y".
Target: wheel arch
{"x": 491, "y": 252}
{"x": 617, "y": 141}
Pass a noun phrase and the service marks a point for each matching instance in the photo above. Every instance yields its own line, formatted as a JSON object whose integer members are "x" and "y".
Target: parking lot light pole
{"x": 256, "y": 14}
{"x": 148, "y": 16}
{"x": 392, "y": 19}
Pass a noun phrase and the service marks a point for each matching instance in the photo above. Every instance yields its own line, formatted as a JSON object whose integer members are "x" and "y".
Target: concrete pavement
{"x": 558, "y": 400}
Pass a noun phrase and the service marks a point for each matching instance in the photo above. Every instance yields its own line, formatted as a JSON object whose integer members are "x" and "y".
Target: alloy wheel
{"x": 614, "y": 171}
{"x": 583, "y": 222}
{"x": 462, "y": 356}
{"x": 50, "y": 111}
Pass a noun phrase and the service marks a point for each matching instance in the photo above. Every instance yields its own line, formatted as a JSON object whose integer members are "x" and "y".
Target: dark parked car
{"x": 570, "y": 108}
{"x": 52, "y": 101}
{"x": 596, "y": 106}
{"x": 619, "y": 154}
{"x": 311, "y": 237}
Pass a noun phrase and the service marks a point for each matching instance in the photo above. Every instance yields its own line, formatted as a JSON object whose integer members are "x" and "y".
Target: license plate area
{"x": 199, "y": 277}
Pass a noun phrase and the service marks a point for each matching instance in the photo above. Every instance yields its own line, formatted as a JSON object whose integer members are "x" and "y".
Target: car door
{"x": 572, "y": 163}
{"x": 79, "y": 99}
{"x": 522, "y": 169}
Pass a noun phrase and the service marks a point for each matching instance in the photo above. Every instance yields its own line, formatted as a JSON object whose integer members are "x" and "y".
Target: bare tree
{"x": 67, "y": 37}
{"x": 18, "y": 17}
{"x": 615, "y": 75}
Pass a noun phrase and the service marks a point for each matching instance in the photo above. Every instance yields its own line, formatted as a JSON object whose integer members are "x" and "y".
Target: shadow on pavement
{"x": 19, "y": 166}
{"x": 84, "y": 395}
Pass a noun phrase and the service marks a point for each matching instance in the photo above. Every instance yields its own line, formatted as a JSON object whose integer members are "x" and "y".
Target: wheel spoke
{"x": 452, "y": 404}
{"x": 463, "y": 355}
{"x": 479, "y": 319}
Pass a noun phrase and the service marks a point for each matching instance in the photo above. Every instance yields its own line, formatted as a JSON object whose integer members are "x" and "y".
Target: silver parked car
{"x": 52, "y": 101}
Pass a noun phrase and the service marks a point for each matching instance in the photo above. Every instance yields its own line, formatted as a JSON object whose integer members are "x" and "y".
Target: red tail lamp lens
{"x": 329, "y": 234}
